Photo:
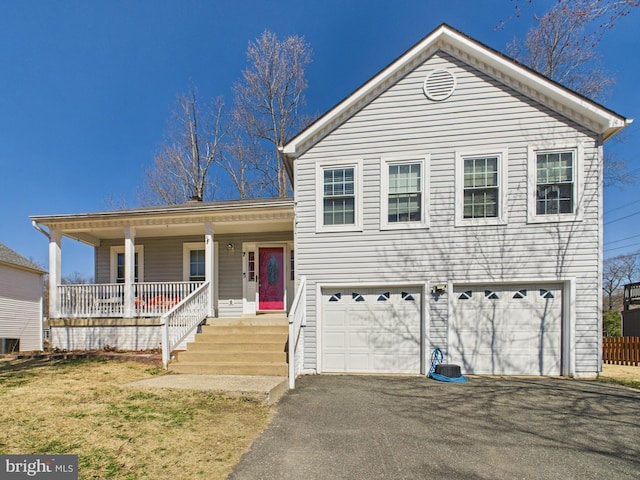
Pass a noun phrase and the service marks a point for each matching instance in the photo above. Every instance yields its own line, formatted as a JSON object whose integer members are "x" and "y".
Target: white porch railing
{"x": 151, "y": 299}
{"x": 86, "y": 301}
{"x": 182, "y": 319}
{"x": 297, "y": 320}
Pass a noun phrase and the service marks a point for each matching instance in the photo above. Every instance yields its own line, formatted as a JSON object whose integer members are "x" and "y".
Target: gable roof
{"x": 580, "y": 109}
{"x": 11, "y": 258}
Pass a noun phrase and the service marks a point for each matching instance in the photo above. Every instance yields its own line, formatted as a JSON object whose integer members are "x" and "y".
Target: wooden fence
{"x": 621, "y": 350}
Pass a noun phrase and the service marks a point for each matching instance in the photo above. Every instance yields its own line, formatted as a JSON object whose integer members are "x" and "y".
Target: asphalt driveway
{"x": 363, "y": 427}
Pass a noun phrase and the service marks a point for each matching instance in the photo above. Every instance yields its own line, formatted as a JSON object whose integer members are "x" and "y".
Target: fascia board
{"x": 553, "y": 93}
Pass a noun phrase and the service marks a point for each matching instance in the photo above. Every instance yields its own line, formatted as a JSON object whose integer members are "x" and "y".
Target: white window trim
{"x": 358, "y": 191}
{"x": 385, "y": 162}
{"x": 503, "y": 160}
{"x": 187, "y": 247}
{"x": 578, "y": 187}
{"x": 115, "y": 250}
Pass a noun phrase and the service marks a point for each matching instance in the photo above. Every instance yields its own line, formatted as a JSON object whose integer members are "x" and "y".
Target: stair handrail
{"x": 297, "y": 320}
{"x": 182, "y": 319}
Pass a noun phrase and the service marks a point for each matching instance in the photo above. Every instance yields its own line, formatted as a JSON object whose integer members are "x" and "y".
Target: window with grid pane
{"x": 339, "y": 196}
{"x": 481, "y": 190}
{"x": 196, "y": 266}
{"x": 120, "y": 267}
{"x": 405, "y": 193}
{"x": 554, "y": 183}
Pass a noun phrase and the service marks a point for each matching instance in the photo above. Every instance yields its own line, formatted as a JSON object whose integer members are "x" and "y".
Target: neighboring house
{"x": 21, "y": 284}
{"x": 453, "y": 201}
{"x": 630, "y": 312}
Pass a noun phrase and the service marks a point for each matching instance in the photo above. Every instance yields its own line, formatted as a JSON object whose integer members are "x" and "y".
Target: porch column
{"x": 129, "y": 271}
{"x": 55, "y": 272}
{"x": 209, "y": 265}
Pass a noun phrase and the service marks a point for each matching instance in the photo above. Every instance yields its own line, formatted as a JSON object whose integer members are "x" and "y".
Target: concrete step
{"x": 229, "y": 368}
{"x": 254, "y": 345}
{"x": 242, "y": 346}
{"x": 232, "y": 357}
{"x": 265, "y": 319}
{"x": 245, "y": 329}
{"x": 240, "y": 338}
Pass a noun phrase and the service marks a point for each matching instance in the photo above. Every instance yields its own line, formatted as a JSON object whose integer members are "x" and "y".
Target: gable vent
{"x": 439, "y": 85}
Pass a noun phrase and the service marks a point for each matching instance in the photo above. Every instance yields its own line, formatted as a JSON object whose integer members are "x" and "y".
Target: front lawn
{"x": 82, "y": 407}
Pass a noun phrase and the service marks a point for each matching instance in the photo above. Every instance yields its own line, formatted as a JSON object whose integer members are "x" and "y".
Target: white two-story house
{"x": 454, "y": 200}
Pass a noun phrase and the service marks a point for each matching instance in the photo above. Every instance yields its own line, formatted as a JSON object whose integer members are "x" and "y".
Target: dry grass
{"x": 626, "y": 375}
{"x": 81, "y": 407}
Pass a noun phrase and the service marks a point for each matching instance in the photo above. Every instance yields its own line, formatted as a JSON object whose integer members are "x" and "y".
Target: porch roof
{"x": 238, "y": 216}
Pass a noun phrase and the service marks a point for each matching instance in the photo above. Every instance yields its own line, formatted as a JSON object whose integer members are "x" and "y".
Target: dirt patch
{"x": 146, "y": 358}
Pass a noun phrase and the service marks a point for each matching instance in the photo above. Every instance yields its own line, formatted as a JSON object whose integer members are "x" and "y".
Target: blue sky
{"x": 86, "y": 88}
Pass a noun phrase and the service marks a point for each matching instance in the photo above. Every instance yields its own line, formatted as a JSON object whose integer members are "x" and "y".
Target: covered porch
{"x": 173, "y": 265}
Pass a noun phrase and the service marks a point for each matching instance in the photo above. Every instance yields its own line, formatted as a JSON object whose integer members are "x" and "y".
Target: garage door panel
{"x": 335, "y": 362}
{"x": 336, "y": 339}
{"x": 514, "y": 330}
{"x": 380, "y": 328}
{"x": 357, "y": 340}
{"x": 335, "y": 318}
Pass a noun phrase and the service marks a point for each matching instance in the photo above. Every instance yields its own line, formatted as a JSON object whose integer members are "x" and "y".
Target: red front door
{"x": 271, "y": 277}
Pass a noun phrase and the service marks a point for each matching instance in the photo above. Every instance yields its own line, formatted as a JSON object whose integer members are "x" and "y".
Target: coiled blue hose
{"x": 436, "y": 359}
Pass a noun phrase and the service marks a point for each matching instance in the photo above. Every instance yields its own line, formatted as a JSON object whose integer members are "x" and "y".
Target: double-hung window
{"x": 481, "y": 192}
{"x": 339, "y": 197}
{"x": 404, "y": 193}
{"x": 481, "y": 188}
{"x": 118, "y": 266}
{"x": 196, "y": 265}
{"x": 193, "y": 262}
{"x": 554, "y": 183}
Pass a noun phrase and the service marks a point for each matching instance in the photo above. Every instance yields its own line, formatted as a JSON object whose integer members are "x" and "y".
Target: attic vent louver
{"x": 439, "y": 85}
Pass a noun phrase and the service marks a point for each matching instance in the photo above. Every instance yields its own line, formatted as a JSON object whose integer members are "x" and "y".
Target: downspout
{"x": 40, "y": 229}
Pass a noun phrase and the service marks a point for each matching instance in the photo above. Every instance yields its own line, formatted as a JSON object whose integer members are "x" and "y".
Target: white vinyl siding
{"x": 483, "y": 117}
{"x": 21, "y": 307}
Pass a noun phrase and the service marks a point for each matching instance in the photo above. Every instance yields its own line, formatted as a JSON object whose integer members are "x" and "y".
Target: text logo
{"x": 49, "y": 467}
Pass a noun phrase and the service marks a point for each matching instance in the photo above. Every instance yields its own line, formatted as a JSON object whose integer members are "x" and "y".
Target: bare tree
{"x": 617, "y": 271}
{"x": 181, "y": 171}
{"x": 267, "y": 103}
{"x": 616, "y": 171}
{"x": 562, "y": 46}
{"x": 244, "y": 161}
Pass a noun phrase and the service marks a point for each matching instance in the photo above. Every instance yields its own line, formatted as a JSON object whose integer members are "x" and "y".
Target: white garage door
{"x": 372, "y": 330}
{"x": 515, "y": 330}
